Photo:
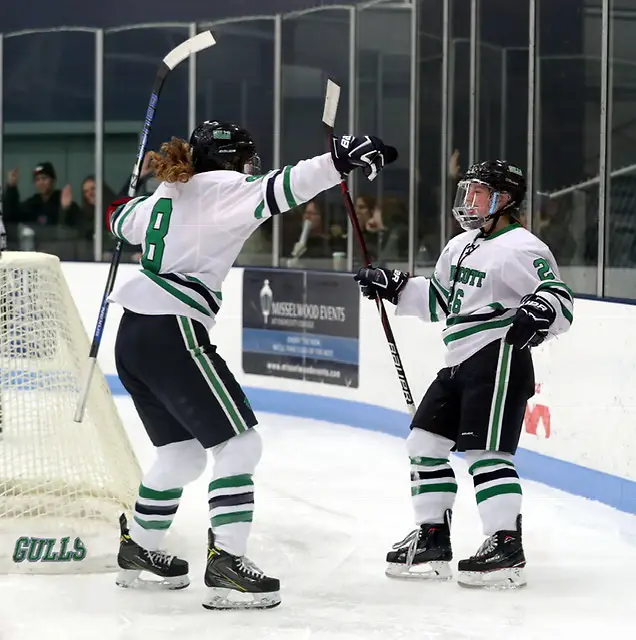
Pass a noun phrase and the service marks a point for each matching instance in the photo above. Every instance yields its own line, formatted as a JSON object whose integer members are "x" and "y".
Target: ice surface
{"x": 330, "y": 500}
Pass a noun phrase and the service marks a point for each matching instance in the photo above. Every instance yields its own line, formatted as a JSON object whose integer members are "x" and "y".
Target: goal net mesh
{"x": 58, "y": 478}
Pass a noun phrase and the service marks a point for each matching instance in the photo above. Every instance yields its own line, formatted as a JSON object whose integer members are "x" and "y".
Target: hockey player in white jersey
{"x": 498, "y": 290}
{"x": 192, "y": 228}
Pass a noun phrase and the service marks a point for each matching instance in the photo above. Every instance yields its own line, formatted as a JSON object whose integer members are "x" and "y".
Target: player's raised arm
{"x": 284, "y": 189}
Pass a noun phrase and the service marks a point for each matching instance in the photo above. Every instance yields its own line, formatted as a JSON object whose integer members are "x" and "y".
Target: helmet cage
{"x": 467, "y": 210}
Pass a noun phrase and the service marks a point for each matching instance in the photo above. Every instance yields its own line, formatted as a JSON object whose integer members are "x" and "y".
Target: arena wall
{"x": 580, "y": 427}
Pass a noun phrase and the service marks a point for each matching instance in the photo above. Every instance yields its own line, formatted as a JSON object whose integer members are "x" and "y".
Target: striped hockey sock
{"x": 433, "y": 489}
{"x": 498, "y": 493}
{"x": 154, "y": 512}
{"x": 231, "y": 503}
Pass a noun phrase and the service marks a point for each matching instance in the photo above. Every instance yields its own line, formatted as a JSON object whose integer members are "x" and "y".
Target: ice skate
{"x": 235, "y": 583}
{"x": 133, "y": 560}
{"x": 498, "y": 564}
{"x": 424, "y": 554}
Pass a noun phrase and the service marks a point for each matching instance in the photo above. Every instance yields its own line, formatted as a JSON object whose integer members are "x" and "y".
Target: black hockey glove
{"x": 368, "y": 152}
{"x": 531, "y": 322}
{"x": 383, "y": 282}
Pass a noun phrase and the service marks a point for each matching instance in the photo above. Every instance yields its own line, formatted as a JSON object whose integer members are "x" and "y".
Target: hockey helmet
{"x": 478, "y": 197}
{"x": 220, "y": 145}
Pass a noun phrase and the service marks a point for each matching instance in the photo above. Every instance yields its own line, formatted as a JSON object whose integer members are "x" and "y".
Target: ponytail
{"x": 173, "y": 163}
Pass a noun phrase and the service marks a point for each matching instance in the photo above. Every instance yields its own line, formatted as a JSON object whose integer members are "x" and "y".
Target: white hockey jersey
{"x": 191, "y": 233}
{"x": 478, "y": 300}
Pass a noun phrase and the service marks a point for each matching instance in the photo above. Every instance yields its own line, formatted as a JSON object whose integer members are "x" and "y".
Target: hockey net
{"x": 60, "y": 481}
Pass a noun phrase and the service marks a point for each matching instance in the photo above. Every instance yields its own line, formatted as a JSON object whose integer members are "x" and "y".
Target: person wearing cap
{"x": 48, "y": 206}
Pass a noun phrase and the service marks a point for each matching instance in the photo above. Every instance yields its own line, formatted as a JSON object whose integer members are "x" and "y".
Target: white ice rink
{"x": 330, "y": 501}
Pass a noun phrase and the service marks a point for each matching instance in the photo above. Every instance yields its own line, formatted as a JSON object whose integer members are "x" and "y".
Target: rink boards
{"x": 580, "y": 427}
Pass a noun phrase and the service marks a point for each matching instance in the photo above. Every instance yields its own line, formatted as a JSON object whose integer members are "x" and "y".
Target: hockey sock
{"x": 231, "y": 501}
{"x": 153, "y": 515}
{"x": 433, "y": 489}
{"x": 497, "y": 490}
{"x": 433, "y": 483}
{"x": 231, "y": 492}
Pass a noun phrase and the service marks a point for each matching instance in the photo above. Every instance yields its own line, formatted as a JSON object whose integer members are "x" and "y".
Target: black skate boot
{"x": 133, "y": 559}
{"x": 498, "y": 563}
{"x": 235, "y": 583}
{"x": 424, "y": 554}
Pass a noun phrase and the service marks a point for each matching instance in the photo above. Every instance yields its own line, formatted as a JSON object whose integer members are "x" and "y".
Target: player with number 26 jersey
{"x": 497, "y": 289}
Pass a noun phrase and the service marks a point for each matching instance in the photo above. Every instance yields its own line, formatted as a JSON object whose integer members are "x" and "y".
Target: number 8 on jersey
{"x": 155, "y": 235}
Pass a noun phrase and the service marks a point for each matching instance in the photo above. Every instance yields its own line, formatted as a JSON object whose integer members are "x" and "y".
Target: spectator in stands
{"x": 86, "y": 224}
{"x": 318, "y": 240}
{"x": 390, "y": 222}
{"x": 553, "y": 226}
{"x": 317, "y": 243}
{"x": 365, "y": 207}
{"x": 146, "y": 186}
{"x": 47, "y": 207}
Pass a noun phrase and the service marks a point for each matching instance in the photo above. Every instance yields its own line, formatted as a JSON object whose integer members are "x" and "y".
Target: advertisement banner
{"x": 302, "y": 325}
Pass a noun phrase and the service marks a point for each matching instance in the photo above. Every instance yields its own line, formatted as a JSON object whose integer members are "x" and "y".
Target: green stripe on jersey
{"x": 432, "y": 303}
{"x": 555, "y": 284}
{"x": 289, "y": 195}
{"x": 216, "y": 294}
{"x": 125, "y": 212}
{"x": 555, "y": 291}
{"x": 479, "y": 316}
{"x": 177, "y": 293}
{"x": 445, "y": 292}
{"x": 566, "y": 313}
{"x": 478, "y": 328}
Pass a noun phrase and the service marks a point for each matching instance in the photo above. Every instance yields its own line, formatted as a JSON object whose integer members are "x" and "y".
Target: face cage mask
{"x": 465, "y": 209}
{"x": 253, "y": 166}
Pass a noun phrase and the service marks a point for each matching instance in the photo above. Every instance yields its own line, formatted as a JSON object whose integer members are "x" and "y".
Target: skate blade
{"x": 223, "y": 599}
{"x": 131, "y": 579}
{"x": 501, "y": 579}
{"x": 435, "y": 570}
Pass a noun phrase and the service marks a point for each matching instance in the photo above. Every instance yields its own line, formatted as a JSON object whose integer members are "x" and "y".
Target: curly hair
{"x": 173, "y": 163}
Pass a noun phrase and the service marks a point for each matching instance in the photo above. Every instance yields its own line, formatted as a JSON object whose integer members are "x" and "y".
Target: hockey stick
{"x": 332, "y": 98}
{"x": 180, "y": 53}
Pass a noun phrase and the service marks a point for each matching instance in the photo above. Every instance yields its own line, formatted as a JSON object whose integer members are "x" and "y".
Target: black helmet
{"x": 223, "y": 145}
{"x": 499, "y": 177}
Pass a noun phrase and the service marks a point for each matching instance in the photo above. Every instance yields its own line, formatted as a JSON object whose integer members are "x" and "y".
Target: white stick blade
{"x": 197, "y": 43}
{"x": 332, "y": 98}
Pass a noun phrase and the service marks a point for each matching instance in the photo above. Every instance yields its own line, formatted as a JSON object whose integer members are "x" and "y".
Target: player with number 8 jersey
{"x": 497, "y": 288}
{"x": 210, "y": 200}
